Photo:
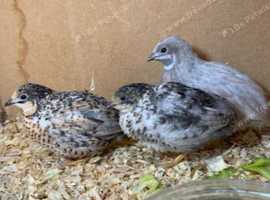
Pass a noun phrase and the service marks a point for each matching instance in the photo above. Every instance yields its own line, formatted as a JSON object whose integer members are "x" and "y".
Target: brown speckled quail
{"x": 73, "y": 123}
{"x": 172, "y": 117}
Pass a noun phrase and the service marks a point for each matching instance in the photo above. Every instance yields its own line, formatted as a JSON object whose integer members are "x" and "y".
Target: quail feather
{"x": 3, "y": 114}
{"x": 73, "y": 123}
{"x": 172, "y": 117}
{"x": 182, "y": 64}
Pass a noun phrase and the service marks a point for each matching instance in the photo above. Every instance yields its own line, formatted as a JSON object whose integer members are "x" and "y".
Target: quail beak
{"x": 114, "y": 103}
{"x": 10, "y": 102}
{"x": 152, "y": 57}
{"x": 117, "y": 106}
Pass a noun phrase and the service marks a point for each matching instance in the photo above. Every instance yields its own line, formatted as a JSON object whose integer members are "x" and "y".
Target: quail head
{"x": 26, "y": 97}
{"x": 73, "y": 123}
{"x": 182, "y": 64}
{"x": 173, "y": 117}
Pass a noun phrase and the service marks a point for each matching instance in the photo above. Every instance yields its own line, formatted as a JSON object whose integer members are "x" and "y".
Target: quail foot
{"x": 182, "y": 64}
{"x": 173, "y": 117}
{"x": 73, "y": 123}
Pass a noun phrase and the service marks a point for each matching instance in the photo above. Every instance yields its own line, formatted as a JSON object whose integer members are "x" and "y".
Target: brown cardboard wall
{"x": 63, "y": 43}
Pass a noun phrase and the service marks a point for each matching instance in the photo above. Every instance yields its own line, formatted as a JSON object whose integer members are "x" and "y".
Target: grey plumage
{"x": 182, "y": 64}
{"x": 172, "y": 116}
{"x": 73, "y": 123}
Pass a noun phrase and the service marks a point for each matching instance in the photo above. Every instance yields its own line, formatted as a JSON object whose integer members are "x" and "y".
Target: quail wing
{"x": 193, "y": 112}
{"x": 81, "y": 120}
{"x": 232, "y": 80}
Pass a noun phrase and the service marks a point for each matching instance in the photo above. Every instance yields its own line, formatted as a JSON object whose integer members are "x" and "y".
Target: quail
{"x": 74, "y": 124}
{"x": 182, "y": 64}
{"x": 172, "y": 117}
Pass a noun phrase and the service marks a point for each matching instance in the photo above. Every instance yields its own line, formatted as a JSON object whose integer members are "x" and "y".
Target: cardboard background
{"x": 62, "y": 43}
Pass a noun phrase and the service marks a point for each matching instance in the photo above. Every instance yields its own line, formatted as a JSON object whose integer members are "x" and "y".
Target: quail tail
{"x": 262, "y": 126}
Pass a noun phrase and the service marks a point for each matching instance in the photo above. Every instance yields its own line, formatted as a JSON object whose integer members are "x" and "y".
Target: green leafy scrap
{"x": 260, "y": 166}
{"x": 224, "y": 174}
{"x": 149, "y": 184}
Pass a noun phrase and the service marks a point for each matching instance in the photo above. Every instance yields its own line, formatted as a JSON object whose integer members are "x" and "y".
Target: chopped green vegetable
{"x": 148, "y": 183}
{"x": 260, "y": 166}
{"x": 224, "y": 174}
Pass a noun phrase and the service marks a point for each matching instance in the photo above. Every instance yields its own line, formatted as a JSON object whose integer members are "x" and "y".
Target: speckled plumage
{"x": 73, "y": 123}
{"x": 173, "y": 117}
{"x": 182, "y": 64}
{"x": 3, "y": 114}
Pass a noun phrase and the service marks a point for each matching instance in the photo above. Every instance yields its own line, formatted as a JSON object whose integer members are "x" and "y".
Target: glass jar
{"x": 216, "y": 190}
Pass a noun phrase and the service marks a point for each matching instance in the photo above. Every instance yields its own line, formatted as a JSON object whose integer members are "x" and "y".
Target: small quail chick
{"x": 73, "y": 123}
{"x": 182, "y": 64}
{"x": 173, "y": 117}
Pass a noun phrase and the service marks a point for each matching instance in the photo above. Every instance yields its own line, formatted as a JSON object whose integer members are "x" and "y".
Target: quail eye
{"x": 164, "y": 50}
{"x": 123, "y": 98}
{"x": 23, "y": 97}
